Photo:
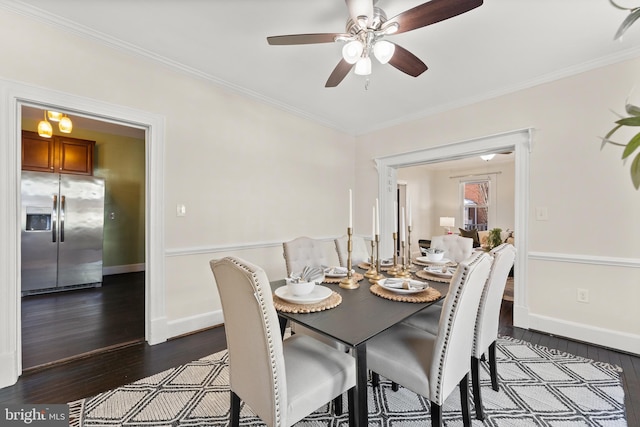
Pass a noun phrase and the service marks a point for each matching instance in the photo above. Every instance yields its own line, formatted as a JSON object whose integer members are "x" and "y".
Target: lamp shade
{"x": 363, "y": 66}
{"x": 65, "y": 125}
{"x": 352, "y": 51}
{"x": 487, "y": 157}
{"x": 383, "y": 51}
{"x": 44, "y": 128}
{"x": 54, "y": 116}
{"x": 447, "y": 221}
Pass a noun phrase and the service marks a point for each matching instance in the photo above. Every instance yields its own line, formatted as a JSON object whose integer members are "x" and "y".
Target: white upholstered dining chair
{"x": 307, "y": 252}
{"x": 432, "y": 365}
{"x": 281, "y": 381}
{"x": 457, "y": 248}
{"x": 487, "y": 320}
{"x": 359, "y": 250}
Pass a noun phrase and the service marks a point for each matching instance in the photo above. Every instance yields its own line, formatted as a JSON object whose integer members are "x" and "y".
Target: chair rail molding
{"x": 586, "y": 259}
{"x": 519, "y": 141}
{"x": 12, "y": 96}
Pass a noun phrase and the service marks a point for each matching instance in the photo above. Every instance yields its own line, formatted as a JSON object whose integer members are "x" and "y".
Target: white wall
{"x": 590, "y": 240}
{"x": 251, "y": 176}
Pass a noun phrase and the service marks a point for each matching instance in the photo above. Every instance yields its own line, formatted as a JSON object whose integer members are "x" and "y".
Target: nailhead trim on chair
{"x": 456, "y": 300}
{"x": 263, "y": 308}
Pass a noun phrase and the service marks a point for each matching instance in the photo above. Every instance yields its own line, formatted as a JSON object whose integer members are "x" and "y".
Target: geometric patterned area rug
{"x": 538, "y": 387}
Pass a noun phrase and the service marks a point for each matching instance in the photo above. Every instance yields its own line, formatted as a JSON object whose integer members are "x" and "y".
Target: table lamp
{"x": 447, "y": 222}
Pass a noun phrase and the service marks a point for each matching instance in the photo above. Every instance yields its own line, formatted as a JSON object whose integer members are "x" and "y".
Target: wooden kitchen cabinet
{"x": 58, "y": 154}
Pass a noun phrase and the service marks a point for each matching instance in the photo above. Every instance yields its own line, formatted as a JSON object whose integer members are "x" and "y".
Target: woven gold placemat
{"x": 289, "y": 307}
{"x": 426, "y": 275}
{"x": 428, "y": 295}
{"x": 356, "y": 276}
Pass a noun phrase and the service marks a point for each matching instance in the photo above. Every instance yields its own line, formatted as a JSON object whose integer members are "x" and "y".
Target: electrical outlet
{"x": 583, "y": 295}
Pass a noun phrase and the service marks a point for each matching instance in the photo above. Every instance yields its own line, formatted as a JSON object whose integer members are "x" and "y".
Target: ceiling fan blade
{"x": 339, "y": 73}
{"x": 407, "y": 62}
{"x": 304, "y": 38}
{"x": 431, "y": 12}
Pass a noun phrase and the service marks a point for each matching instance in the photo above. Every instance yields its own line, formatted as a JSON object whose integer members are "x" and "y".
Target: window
{"x": 475, "y": 198}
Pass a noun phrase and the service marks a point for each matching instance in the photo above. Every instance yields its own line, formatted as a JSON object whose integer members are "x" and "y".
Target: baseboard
{"x": 629, "y": 343}
{"x": 194, "y": 323}
{"x": 121, "y": 269}
{"x": 8, "y": 373}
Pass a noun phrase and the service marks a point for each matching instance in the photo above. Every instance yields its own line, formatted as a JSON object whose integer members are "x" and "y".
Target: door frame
{"x": 12, "y": 96}
{"x": 520, "y": 142}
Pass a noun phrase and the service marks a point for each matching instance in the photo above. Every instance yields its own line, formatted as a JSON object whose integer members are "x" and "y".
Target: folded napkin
{"x": 398, "y": 283}
{"x": 335, "y": 270}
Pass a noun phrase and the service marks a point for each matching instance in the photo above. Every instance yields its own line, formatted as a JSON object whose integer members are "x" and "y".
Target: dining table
{"x": 360, "y": 316}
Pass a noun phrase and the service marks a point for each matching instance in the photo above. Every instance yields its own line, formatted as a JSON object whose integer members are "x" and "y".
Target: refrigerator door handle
{"x": 55, "y": 218}
{"x": 62, "y": 209}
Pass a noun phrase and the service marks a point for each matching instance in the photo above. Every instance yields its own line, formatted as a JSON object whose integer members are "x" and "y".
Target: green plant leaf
{"x": 632, "y": 109}
{"x": 635, "y": 172}
{"x": 629, "y": 121}
{"x": 628, "y": 21}
{"x": 631, "y": 146}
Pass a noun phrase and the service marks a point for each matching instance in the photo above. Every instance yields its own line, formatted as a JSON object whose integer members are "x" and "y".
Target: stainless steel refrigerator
{"x": 62, "y": 231}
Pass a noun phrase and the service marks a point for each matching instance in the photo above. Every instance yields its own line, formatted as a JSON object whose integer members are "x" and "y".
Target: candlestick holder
{"x": 349, "y": 282}
{"x": 377, "y": 276}
{"x": 404, "y": 272}
{"x": 409, "y": 246}
{"x": 395, "y": 268}
{"x": 372, "y": 272}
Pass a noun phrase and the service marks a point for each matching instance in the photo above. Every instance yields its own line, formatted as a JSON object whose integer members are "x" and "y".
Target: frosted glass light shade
{"x": 65, "y": 125}
{"x": 487, "y": 157}
{"x": 54, "y": 116}
{"x": 352, "y": 51}
{"x": 383, "y": 51}
{"x": 363, "y": 66}
{"x": 44, "y": 129}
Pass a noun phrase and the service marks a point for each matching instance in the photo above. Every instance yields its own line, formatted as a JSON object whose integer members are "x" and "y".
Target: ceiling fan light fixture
{"x": 390, "y": 28}
{"x": 363, "y": 66}
{"x": 352, "y": 51}
{"x": 383, "y": 51}
{"x": 487, "y": 157}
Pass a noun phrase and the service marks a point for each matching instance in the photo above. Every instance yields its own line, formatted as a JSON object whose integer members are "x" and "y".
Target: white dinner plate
{"x": 426, "y": 260}
{"x": 318, "y": 294}
{"x": 335, "y": 272}
{"x": 404, "y": 291}
{"x": 436, "y": 271}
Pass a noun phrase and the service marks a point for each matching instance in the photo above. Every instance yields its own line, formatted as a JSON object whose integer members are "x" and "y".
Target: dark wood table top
{"x": 361, "y": 315}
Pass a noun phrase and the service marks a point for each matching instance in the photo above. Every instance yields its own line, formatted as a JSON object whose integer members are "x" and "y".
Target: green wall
{"x": 120, "y": 160}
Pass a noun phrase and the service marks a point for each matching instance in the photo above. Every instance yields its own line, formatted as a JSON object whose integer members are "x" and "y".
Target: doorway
{"x": 61, "y": 323}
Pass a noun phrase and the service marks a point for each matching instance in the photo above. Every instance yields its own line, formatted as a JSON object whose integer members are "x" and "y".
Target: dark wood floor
{"x": 92, "y": 374}
{"x": 63, "y": 325}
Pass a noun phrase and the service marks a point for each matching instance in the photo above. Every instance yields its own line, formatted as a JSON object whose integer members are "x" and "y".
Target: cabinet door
{"x": 37, "y": 152}
{"x": 75, "y": 156}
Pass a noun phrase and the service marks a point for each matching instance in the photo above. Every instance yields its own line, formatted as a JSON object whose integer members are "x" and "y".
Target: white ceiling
{"x": 502, "y": 46}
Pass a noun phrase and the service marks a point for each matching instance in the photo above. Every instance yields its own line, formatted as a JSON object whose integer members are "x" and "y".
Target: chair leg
{"x": 337, "y": 406}
{"x": 235, "y": 410}
{"x": 375, "y": 379}
{"x": 351, "y": 398}
{"x": 436, "y": 415}
{"x": 394, "y": 386}
{"x": 475, "y": 379}
{"x": 493, "y": 366}
{"x": 464, "y": 401}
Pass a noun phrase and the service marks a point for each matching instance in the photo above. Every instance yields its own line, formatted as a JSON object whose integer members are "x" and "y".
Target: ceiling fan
{"x": 366, "y": 28}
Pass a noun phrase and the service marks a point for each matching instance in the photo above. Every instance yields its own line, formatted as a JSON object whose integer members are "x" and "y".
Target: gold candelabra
{"x": 404, "y": 271}
{"x": 372, "y": 272}
{"x": 395, "y": 268}
{"x": 349, "y": 282}
{"x": 377, "y": 276}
